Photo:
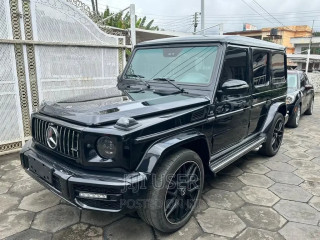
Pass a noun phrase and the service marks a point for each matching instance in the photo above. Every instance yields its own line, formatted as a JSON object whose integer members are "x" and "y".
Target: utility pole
{"x": 133, "y": 25}
{"x": 309, "y": 49}
{"x": 97, "y": 8}
{"x": 195, "y": 21}
{"x": 202, "y": 16}
{"x": 93, "y": 6}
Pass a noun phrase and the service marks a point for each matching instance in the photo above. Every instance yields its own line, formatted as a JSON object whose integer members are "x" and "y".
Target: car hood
{"x": 107, "y": 110}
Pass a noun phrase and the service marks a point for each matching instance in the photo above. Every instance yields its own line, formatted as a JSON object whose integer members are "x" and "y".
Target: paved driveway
{"x": 255, "y": 198}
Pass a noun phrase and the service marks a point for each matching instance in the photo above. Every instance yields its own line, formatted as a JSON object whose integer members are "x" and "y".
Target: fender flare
{"x": 156, "y": 151}
{"x": 274, "y": 108}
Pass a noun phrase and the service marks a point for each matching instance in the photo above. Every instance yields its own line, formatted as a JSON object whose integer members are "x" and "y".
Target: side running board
{"x": 219, "y": 163}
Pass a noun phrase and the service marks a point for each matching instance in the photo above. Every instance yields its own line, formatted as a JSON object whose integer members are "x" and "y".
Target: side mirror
{"x": 308, "y": 86}
{"x": 234, "y": 86}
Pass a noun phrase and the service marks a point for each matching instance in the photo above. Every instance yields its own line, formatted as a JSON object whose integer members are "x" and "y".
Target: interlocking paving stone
{"x": 14, "y": 222}
{"x": 39, "y": 201}
{"x": 202, "y": 205}
{"x": 302, "y": 164}
{"x": 99, "y": 219}
{"x": 223, "y": 199}
{"x": 279, "y": 157}
{"x": 297, "y": 212}
{"x": 280, "y": 166}
{"x": 290, "y": 192}
{"x": 19, "y": 174}
{"x": 10, "y": 165}
{"x": 30, "y": 234}
{"x": 315, "y": 152}
{"x": 284, "y": 177}
{"x": 299, "y": 231}
{"x": 252, "y": 167}
{"x": 296, "y": 154}
{"x": 232, "y": 170}
{"x": 226, "y": 183}
{"x": 312, "y": 187}
{"x": 316, "y": 160}
{"x": 308, "y": 175}
{"x": 128, "y": 229}
{"x": 261, "y": 217}
{"x": 24, "y": 188}
{"x": 190, "y": 231}
{"x": 315, "y": 202}
{"x": 220, "y": 222}
{"x": 256, "y": 180}
{"x": 207, "y": 236}
{"x": 4, "y": 187}
{"x": 79, "y": 231}
{"x": 259, "y": 196}
{"x": 56, "y": 218}
{"x": 7, "y": 201}
{"x": 258, "y": 234}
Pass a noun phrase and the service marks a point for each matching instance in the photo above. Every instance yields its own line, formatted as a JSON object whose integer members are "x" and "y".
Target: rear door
{"x": 261, "y": 89}
{"x": 232, "y": 111}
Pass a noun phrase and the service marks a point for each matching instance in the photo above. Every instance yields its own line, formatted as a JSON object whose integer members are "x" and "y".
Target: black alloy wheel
{"x": 277, "y": 135}
{"x": 183, "y": 192}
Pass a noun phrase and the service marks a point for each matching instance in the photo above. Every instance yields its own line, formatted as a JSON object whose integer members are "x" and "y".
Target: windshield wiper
{"x": 140, "y": 78}
{"x": 169, "y": 81}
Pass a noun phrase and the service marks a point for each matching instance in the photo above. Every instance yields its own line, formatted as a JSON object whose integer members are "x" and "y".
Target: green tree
{"x": 123, "y": 21}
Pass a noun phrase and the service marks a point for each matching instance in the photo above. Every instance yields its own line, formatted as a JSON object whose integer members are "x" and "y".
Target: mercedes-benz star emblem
{"x": 52, "y": 137}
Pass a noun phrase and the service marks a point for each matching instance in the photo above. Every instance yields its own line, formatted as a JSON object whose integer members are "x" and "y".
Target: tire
{"x": 310, "y": 109}
{"x": 157, "y": 199}
{"x": 274, "y": 137}
{"x": 295, "y": 118}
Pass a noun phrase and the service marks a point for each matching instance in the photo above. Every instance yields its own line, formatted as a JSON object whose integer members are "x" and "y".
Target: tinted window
{"x": 235, "y": 65}
{"x": 182, "y": 64}
{"x": 260, "y": 68}
{"x": 278, "y": 68}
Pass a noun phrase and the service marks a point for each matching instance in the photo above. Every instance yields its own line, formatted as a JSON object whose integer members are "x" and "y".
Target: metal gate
{"x": 49, "y": 50}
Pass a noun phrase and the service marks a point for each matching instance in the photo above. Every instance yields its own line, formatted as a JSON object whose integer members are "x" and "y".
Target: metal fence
{"x": 49, "y": 50}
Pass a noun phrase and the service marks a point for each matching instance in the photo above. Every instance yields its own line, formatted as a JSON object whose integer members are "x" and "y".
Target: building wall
{"x": 285, "y": 33}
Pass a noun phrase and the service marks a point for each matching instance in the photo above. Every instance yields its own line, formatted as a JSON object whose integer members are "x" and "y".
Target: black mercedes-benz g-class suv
{"x": 187, "y": 104}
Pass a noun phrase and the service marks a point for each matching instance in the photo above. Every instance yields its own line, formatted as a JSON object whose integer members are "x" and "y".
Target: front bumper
{"x": 68, "y": 181}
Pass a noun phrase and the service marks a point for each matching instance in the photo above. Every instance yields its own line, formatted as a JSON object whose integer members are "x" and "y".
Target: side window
{"x": 235, "y": 67}
{"x": 278, "y": 68}
{"x": 260, "y": 68}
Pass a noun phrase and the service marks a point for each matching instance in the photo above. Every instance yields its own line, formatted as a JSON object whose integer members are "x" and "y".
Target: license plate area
{"x": 41, "y": 169}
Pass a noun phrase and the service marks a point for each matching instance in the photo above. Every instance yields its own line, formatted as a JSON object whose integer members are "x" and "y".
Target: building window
{"x": 313, "y": 50}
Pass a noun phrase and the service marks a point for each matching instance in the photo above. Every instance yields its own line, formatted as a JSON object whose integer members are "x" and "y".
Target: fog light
{"x": 93, "y": 195}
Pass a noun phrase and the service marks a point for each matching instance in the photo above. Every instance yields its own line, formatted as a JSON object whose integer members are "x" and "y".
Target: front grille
{"x": 67, "y": 140}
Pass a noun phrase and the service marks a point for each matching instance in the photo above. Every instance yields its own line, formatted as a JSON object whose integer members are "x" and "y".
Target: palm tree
{"x": 123, "y": 21}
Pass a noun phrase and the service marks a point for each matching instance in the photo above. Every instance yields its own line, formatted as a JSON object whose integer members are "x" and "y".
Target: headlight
{"x": 289, "y": 99}
{"x": 106, "y": 148}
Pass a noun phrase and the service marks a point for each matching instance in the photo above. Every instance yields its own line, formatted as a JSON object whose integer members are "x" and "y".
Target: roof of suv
{"x": 240, "y": 40}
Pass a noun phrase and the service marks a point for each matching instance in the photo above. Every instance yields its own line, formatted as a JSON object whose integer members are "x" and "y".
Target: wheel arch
{"x": 279, "y": 107}
{"x": 194, "y": 141}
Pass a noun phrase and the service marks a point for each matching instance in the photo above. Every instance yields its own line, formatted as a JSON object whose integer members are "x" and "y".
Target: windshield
{"x": 292, "y": 82}
{"x": 183, "y": 65}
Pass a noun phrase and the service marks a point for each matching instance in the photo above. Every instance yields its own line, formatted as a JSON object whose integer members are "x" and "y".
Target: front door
{"x": 232, "y": 110}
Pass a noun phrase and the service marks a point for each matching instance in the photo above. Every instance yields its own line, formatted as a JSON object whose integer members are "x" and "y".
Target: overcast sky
{"x": 178, "y": 14}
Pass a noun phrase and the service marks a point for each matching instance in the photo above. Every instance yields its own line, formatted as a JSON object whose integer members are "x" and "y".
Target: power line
{"x": 256, "y": 11}
{"x": 269, "y": 13}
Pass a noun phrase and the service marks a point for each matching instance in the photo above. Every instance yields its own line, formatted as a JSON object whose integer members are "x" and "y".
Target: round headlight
{"x": 106, "y": 148}
{"x": 289, "y": 99}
